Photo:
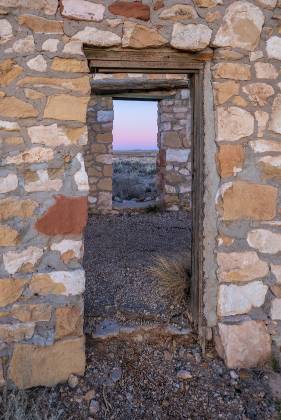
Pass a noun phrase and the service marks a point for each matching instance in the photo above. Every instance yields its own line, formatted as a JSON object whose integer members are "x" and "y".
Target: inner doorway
{"x": 135, "y": 151}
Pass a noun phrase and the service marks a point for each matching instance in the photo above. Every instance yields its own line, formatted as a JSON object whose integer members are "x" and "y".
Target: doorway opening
{"x": 138, "y": 264}
{"x": 135, "y": 152}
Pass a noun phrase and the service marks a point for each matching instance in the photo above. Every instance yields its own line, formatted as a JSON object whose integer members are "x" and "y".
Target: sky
{"x": 135, "y": 125}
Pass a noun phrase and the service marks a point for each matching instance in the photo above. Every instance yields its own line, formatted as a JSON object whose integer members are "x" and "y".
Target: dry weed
{"x": 36, "y": 404}
{"x": 173, "y": 274}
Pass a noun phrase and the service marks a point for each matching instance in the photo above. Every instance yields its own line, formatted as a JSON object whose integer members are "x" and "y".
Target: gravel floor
{"x": 143, "y": 376}
{"x": 143, "y": 380}
{"x": 118, "y": 251}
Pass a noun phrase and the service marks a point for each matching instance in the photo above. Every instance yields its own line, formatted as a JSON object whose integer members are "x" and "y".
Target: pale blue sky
{"x": 135, "y": 125}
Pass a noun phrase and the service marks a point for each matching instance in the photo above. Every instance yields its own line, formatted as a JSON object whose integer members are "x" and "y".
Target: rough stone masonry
{"x": 44, "y": 97}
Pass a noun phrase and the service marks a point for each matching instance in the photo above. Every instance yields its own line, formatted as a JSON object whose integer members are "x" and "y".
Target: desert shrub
{"x": 36, "y": 404}
{"x": 134, "y": 180}
{"x": 173, "y": 274}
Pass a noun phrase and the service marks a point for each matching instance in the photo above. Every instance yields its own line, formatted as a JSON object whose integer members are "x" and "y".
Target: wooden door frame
{"x": 165, "y": 60}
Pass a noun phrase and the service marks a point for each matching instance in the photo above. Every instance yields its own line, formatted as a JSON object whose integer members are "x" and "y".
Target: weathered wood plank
{"x": 129, "y": 85}
{"x": 162, "y": 58}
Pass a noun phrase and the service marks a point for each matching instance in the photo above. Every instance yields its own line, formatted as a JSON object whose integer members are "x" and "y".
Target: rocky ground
{"x": 143, "y": 361}
{"x": 162, "y": 379}
{"x": 119, "y": 250}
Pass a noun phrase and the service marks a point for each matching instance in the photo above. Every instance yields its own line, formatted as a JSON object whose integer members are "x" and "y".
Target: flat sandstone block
{"x": 46, "y": 366}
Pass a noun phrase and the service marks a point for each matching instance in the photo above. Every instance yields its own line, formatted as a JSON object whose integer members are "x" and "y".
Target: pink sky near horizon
{"x": 135, "y": 125}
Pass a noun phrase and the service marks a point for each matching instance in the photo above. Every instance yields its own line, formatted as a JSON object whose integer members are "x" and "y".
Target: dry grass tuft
{"x": 174, "y": 275}
{"x": 34, "y": 404}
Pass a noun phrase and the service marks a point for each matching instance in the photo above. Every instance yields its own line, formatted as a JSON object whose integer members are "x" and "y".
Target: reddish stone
{"x": 135, "y": 9}
{"x": 67, "y": 216}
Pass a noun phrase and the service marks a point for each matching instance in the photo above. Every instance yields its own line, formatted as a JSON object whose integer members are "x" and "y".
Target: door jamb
{"x": 174, "y": 62}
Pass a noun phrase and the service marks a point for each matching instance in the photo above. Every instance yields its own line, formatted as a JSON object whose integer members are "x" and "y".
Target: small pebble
{"x": 73, "y": 381}
{"x": 90, "y": 395}
{"x": 233, "y": 374}
{"x": 94, "y": 407}
{"x": 184, "y": 375}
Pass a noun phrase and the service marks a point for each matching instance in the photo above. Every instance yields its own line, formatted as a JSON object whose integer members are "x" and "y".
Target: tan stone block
{"x": 207, "y": 3}
{"x": 273, "y": 47}
{"x": 270, "y": 167}
{"x": 40, "y": 24}
{"x": 276, "y": 290}
{"x": 58, "y": 283}
{"x": 140, "y": 36}
{"x": 16, "y": 332}
{"x": 239, "y": 101}
{"x": 230, "y": 159}
{"x": 98, "y": 148}
{"x": 191, "y": 37}
{"x": 262, "y": 118}
{"x": 233, "y": 71}
{"x": 275, "y": 121}
{"x": 171, "y": 139}
{"x": 33, "y": 94}
{"x": 104, "y": 137}
{"x": 213, "y": 16}
{"x": 12, "y": 107}
{"x": 19, "y": 260}
{"x": 97, "y": 37}
{"x": 227, "y": 54}
{"x": 48, "y": 7}
{"x": 107, "y": 170}
{"x": 245, "y": 345}
{"x": 69, "y": 321}
{"x": 34, "y": 366}
{"x": 224, "y": 91}
{"x": 13, "y": 141}
{"x": 50, "y": 45}
{"x": 69, "y": 65}
{"x": 225, "y": 240}
{"x": 37, "y": 63}
{"x": 8, "y": 236}
{"x": 14, "y": 207}
{"x": 6, "y": 31}
{"x": 234, "y": 123}
{"x": 8, "y": 183}
{"x": 33, "y": 155}
{"x": 265, "y": 241}
{"x": 82, "y": 10}
{"x": 241, "y": 26}
{"x": 239, "y": 267}
{"x": 105, "y": 184}
{"x": 9, "y": 71}
{"x": 24, "y": 46}
{"x": 245, "y": 200}
{"x": 10, "y": 290}
{"x": 240, "y": 299}
{"x": 66, "y": 107}
{"x": 80, "y": 84}
{"x": 258, "y": 93}
{"x": 178, "y": 12}
{"x": 263, "y": 146}
{"x": 31, "y": 312}
{"x": 266, "y": 71}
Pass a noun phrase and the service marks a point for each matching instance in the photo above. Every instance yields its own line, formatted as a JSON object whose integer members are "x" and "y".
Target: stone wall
{"x": 174, "y": 144}
{"x": 98, "y": 153}
{"x": 44, "y": 95}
